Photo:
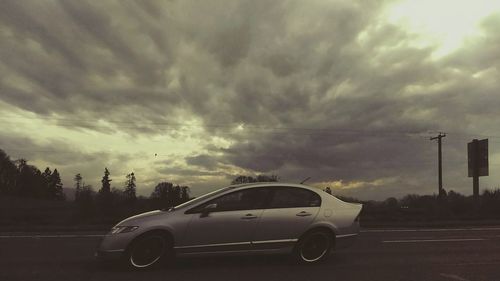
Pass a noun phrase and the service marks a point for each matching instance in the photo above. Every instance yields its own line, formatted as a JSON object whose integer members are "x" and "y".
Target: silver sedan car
{"x": 248, "y": 218}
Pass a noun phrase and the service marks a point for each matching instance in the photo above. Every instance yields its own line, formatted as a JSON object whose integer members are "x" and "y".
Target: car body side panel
{"x": 220, "y": 228}
{"x": 340, "y": 218}
{"x": 345, "y": 217}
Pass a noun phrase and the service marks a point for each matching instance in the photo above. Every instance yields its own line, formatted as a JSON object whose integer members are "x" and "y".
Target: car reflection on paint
{"x": 273, "y": 217}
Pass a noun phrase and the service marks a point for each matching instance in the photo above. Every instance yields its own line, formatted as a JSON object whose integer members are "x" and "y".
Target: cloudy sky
{"x": 197, "y": 92}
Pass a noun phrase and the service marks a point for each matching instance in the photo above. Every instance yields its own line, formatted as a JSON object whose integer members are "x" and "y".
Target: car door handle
{"x": 248, "y": 217}
{"x": 303, "y": 214}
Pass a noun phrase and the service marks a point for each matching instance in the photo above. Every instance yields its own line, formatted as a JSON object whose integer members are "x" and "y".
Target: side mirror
{"x": 208, "y": 209}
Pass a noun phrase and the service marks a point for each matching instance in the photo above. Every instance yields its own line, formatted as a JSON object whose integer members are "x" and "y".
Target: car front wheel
{"x": 313, "y": 247}
{"x": 148, "y": 250}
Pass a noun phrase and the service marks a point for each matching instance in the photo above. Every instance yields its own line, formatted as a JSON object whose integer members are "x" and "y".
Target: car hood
{"x": 140, "y": 217}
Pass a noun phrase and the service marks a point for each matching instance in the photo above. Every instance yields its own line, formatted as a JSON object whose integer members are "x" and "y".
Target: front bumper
{"x": 112, "y": 247}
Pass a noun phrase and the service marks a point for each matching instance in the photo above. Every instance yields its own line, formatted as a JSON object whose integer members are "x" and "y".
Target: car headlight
{"x": 123, "y": 229}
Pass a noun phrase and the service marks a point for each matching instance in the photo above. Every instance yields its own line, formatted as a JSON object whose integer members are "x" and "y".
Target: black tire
{"x": 313, "y": 247}
{"x": 149, "y": 250}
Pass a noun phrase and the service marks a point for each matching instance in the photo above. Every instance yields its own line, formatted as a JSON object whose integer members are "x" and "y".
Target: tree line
{"x": 449, "y": 205}
{"x": 112, "y": 202}
{"x": 250, "y": 179}
{"x": 18, "y": 178}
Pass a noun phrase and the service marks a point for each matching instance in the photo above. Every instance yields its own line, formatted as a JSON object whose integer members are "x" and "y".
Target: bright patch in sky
{"x": 445, "y": 22}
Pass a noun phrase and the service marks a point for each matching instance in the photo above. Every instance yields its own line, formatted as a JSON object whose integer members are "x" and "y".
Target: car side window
{"x": 293, "y": 197}
{"x": 247, "y": 199}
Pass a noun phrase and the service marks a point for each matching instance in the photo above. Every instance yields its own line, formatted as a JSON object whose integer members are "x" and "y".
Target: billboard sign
{"x": 477, "y": 154}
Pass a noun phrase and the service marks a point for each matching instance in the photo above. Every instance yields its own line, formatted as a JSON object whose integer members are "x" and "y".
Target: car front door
{"x": 287, "y": 216}
{"x": 228, "y": 226}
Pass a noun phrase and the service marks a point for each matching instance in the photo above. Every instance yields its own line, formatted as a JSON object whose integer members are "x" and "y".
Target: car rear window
{"x": 292, "y": 197}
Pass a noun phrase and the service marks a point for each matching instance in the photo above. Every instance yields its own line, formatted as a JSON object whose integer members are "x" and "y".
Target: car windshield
{"x": 200, "y": 198}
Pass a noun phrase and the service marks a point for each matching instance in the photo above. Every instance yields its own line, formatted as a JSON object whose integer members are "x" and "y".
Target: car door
{"x": 229, "y": 226}
{"x": 287, "y": 216}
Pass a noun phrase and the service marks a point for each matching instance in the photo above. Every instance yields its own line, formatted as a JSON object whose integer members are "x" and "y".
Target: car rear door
{"x": 288, "y": 214}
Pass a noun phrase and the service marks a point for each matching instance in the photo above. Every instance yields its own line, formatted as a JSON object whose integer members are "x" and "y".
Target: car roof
{"x": 273, "y": 183}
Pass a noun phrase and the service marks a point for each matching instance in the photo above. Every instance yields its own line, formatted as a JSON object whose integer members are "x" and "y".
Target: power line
{"x": 278, "y": 130}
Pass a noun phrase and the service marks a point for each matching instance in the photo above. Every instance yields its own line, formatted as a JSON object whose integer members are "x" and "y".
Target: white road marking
{"x": 433, "y": 240}
{"x": 474, "y": 263}
{"x": 53, "y": 236}
{"x": 432, "y": 229}
{"x": 454, "y": 277}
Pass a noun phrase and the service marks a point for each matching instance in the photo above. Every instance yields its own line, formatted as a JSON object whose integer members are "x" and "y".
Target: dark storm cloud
{"x": 80, "y": 59}
{"x": 154, "y": 63}
{"x": 322, "y": 89}
{"x": 203, "y": 160}
{"x": 174, "y": 171}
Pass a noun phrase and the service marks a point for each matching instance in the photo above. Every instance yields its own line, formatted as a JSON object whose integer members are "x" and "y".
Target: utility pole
{"x": 440, "y": 162}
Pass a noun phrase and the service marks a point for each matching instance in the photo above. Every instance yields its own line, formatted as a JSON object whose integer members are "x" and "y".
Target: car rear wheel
{"x": 313, "y": 247}
{"x": 148, "y": 250}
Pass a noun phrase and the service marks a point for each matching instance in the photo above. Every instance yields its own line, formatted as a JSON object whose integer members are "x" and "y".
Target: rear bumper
{"x": 344, "y": 241}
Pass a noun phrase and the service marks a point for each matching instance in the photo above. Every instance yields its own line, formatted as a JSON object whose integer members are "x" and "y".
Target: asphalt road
{"x": 419, "y": 254}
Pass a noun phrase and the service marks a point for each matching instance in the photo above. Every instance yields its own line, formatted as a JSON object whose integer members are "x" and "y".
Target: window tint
{"x": 291, "y": 197}
{"x": 247, "y": 199}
